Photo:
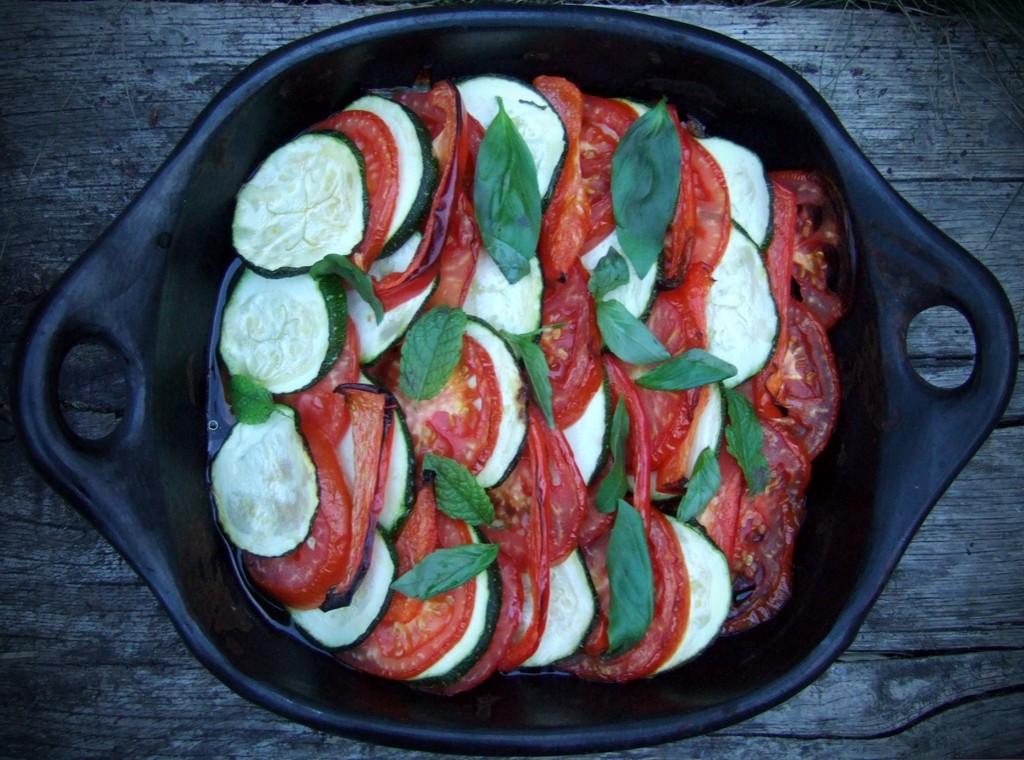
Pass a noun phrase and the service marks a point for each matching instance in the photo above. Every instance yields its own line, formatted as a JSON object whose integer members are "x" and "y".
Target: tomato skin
{"x": 571, "y": 345}
{"x": 566, "y": 220}
{"x": 565, "y": 500}
{"x": 380, "y": 157}
{"x": 671, "y": 612}
{"x": 604, "y": 123}
{"x": 462, "y": 421}
{"x": 762, "y": 554}
{"x": 820, "y": 252}
{"x": 801, "y": 389}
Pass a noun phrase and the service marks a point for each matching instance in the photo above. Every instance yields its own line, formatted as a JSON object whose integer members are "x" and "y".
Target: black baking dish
{"x": 148, "y": 290}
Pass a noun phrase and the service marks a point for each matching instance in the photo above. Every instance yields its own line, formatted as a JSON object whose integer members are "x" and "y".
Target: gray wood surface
{"x": 94, "y": 95}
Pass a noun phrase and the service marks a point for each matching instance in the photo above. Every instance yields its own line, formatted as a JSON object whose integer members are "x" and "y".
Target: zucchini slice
{"x": 536, "y": 120}
{"x": 346, "y": 626}
{"x": 710, "y": 593}
{"x": 417, "y": 167}
{"x": 588, "y": 436}
{"x": 637, "y": 295}
{"x": 707, "y": 427}
{"x": 742, "y": 320}
{"x": 376, "y": 338}
{"x": 307, "y": 199}
{"x": 474, "y": 641}
{"x": 750, "y": 195}
{"x": 512, "y": 427}
{"x": 513, "y": 308}
{"x": 265, "y": 485}
{"x": 572, "y": 610}
{"x": 285, "y": 332}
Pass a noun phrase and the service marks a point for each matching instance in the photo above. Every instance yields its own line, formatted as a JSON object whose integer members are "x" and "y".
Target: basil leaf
{"x": 343, "y": 267}
{"x": 704, "y": 483}
{"x": 611, "y": 272}
{"x": 445, "y": 569}
{"x": 691, "y": 369}
{"x": 631, "y": 582}
{"x": 537, "y": 371}
{"x": 250, "y": 401}
{"x": 506, "y": 198}
{"x": 458, "y": 494}
{"x": 431, "y": 350}
{"x": 626, "y": 336}
{"x": 744, "y": 438}
{"x": 645, "y": 185}
{"x": 614, "y": 485}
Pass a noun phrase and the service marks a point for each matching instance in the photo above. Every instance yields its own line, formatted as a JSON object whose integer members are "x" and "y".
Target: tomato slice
{"x": 762, "y": 555}
{"x": 414, "y": 634}
{"x": 571, "y": 345}
{"x": 565, "y": 501}
{"x": 604, "y": 123}
{"x": 801, "y": 388}
{"x": 519, "y": 529}
{"x": 459, "y": 256}
{"x": 721, "y": 515}
{"x": 462, "y": 421}
{"x": 671, "y": 610}
{"x": 566, "y": 220}
{"x": 303, "y": 577}
{"x": 779, "y": 260}
{"x": 380, "y": 157}
{"x": 821, "y": 251}
{"x": 638, "y": 445}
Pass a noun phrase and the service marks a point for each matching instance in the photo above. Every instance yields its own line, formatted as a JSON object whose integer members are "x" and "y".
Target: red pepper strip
{"x": 370, "y": 411}
{"x": 671, "y": 612}
{"x": 415, "y": 634}
{"x": 303, "y": 577}
{"x": 507, "y": 625}
{"x": 380, "y": 157}
{"x": 566, "y": 220}
{"x": 451, "y": 148}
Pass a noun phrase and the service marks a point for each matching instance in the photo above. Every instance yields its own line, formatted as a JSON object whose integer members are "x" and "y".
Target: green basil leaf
{"x": 250, "y": 401}
{"x": 343, "y": 267}
{"x": 445, "y": 569}
{"x": 537, "y": 370}
{"x": 704, "y": 483}
{"x": 691, "y": 369}
{"x": 458, "y": 494}
{"x": 506, "y": 198}
{"x": 630, "y": 581}
{"x": 611, "y": 272}
{"x": 645, "y": 185}
{"x": 744, "y": 438}
{"x": 626, "y": 336}
{"x": 431, "y": 350}
{"x": 614, "y": 484}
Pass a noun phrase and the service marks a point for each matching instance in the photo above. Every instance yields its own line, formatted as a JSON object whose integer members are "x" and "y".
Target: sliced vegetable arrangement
{"x": 524, "y": 378}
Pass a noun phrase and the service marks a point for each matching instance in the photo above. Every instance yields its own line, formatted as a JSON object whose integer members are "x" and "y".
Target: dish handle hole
{"x": 941, "y": 347}
{"x": 92, "y": 389}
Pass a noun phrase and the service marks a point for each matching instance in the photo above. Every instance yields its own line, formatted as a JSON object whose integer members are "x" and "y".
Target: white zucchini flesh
{"x": 588, "y": 436}
{"x": 398, "y": 261}
{"x": 637, "y": 295}
{"x": 346, "y": 626}
{"x": 480, "y": 626}
{"x": 742, "y": 321}
{"x": 265, "y": 485}
{"x": 276, "y": 330}
{"x": 307, "y": 199}
{"x": 410, "y": 140}
{"x": 571, "y": 610}
{"x": 512, "y": 308}
{"x": 375, "y": 338}
{"x": 750, "y": 197}
{"x": 710, "y": 593}
{"x": 534, "y": 117}
{"x": 706, "y": 430}
{"x": 513, "y": 425}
